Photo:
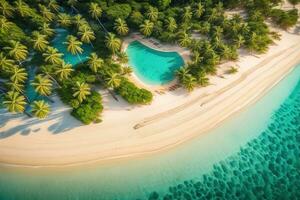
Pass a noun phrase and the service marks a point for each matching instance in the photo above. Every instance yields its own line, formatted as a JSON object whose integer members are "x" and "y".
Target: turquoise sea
{"x": 253, "y": 155}
{"x": 152, "y": 66}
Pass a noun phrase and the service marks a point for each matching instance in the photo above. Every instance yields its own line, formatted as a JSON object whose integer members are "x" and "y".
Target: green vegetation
{"x": 27, "y": 28}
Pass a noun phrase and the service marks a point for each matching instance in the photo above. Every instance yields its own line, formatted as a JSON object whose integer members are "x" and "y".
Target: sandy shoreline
{"x": 172, "y": 119}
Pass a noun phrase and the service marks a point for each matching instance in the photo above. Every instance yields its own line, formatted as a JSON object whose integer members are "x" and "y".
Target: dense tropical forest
{"x": 29, "y": 59}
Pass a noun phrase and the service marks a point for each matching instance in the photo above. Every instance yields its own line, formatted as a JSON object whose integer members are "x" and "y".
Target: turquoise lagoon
{"x": 152, "y": 66}
{"x": 253, "y": 155}
{"x": 57, "y": 42}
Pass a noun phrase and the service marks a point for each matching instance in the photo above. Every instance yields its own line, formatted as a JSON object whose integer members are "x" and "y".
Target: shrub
{"x": 133, "y": 94}
{"x": 284, "y": 19}
{"x": 118, "y": 11}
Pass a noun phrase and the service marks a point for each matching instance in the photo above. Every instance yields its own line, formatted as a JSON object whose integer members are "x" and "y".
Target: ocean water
{"x": 58, "y": 42}
{"x": 152, "y": 66}
{"x": 253, "y": 155}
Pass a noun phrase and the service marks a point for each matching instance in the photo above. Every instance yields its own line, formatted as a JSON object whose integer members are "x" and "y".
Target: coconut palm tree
{"x": 189, "y": 82}
{"x": 46, "y": 13}
{"x": 239, "y": 41}
{"x": 74, "y": 46}
{"x": 152, "y": 13}
{"x": 6, "y": 9}
{"x": 52, "y": 56}
{"x": 121, "y": 27}
{"x": 53, "y": 5}
{"x": 64, "y": 19}
{"x": 17, "y": 50}
{"x": 94, "y": 62}
{"x": 87, "y": 34}
{"x": 42, "y": 85}
{"x": 40, "y": 42}
{"x": 199, "y": 10}
{"x": 182, "y": 73}
{"x": 187, "y": 14}
{"x": 5, "y": 24}
{"x": 14, "y": 102}
{"x": 184, "y": 40}
{"x": 47, "y": 30}
{"x": 72, "y": 4}
{"x": 113, "y": 43}
{"x": 147, "y": 27}
{"x": 217, "y": 31}
{"x": 79, "y": 21}
{"x": 40, "y": 109}
{"x": 18, "y": 74}
{"x": 22, "y": 8}
{"x": 126, "y": 70}
{"x": 202, "y": 80}
{"x": 113, "y": 80}
{"x": 81, "y": 91}
{"x": 95, "y": 11}
{"x": 16, "y": 86}
{"x": 123, "y": 57}
{"x": 5, "y": 63}
{"x": 171, "y": 24}
{"x": 63, "y": 70}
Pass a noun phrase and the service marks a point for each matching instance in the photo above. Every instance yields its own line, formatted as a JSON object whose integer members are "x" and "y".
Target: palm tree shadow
{"x": 59, "y": 122}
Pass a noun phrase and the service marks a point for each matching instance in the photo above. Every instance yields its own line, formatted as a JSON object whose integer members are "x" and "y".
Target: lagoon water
{"x": 253, "y": 155}
{"x": 152, "y": 66}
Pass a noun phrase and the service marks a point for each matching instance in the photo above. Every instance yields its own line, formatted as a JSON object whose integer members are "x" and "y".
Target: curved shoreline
{"x": 161, "y": 129}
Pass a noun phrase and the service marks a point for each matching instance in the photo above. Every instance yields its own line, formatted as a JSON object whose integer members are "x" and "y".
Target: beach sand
{"x": 129, "y": 131}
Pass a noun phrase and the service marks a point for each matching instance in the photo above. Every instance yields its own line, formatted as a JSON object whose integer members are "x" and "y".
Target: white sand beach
{"x": 128, "y": 131}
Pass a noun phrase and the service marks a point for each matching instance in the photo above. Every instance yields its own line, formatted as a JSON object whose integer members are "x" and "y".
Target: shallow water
{"x": 152, "y": 66}
{"x": 253, "y": 155}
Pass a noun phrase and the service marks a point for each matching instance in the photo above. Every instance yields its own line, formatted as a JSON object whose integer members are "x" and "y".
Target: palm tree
{"x": 40, "y": 42}
{"x": 81, "y": 91}
{"x": 17, "y": 50}
{"x": 79, "y": 20}
{"x": 18, "y": 74}
{"x": 184, "y": 40}
{"x": 199, "y": 10}
{"x": 95, "y": 62}
{"x": 16, "y": 86}
{"x": 152, "y": 13}
{"x": 113, "y": 80}
{"x": 202, "y": 79}
{"x": 6, "y": 9}
{"x": 123, "y": 57}
{"x": 22, "y": 8}
{"x": 40, "y": 109}
{"x": 189, "y": 82}
{"x": 182, "y": 73}
{"x": 72, "y": 4}
{"x": 47, "y": 30}
{"x": 147, "y": 27}
{"x": 52, "y": 56}
{"x": 63, "y": 71}
{"x": 121, "y": 27}
{"x": 14, "y": 102}
{"x": 46, "y": 13}
{"x": 74, "y": 46}
{"x": 5, "y": 24}
{"x": 95, "y": 11}
{"x": 126, "y": 70}
{"x": 42, "y": 85}
{"x": 171, "y": 24}
{"x": 239, "y": 41}
{"x": 64, "y": 19}
{"x": 86, "y": 34}
{"x": 52, "y": 4}
{"x": 113, "y": 43}
{"x": 5, "y": 63}
{"x": 217, "y": 31}
{"x": 187, "y": 14}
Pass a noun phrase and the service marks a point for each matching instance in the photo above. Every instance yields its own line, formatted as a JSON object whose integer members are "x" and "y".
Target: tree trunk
{"x": 106, "y": 32}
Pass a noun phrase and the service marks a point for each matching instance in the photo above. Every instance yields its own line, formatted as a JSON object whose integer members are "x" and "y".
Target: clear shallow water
{"x": 58, "y": 42}
{"x": 152, "y": 66}
{"x": 254, "y": 155}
